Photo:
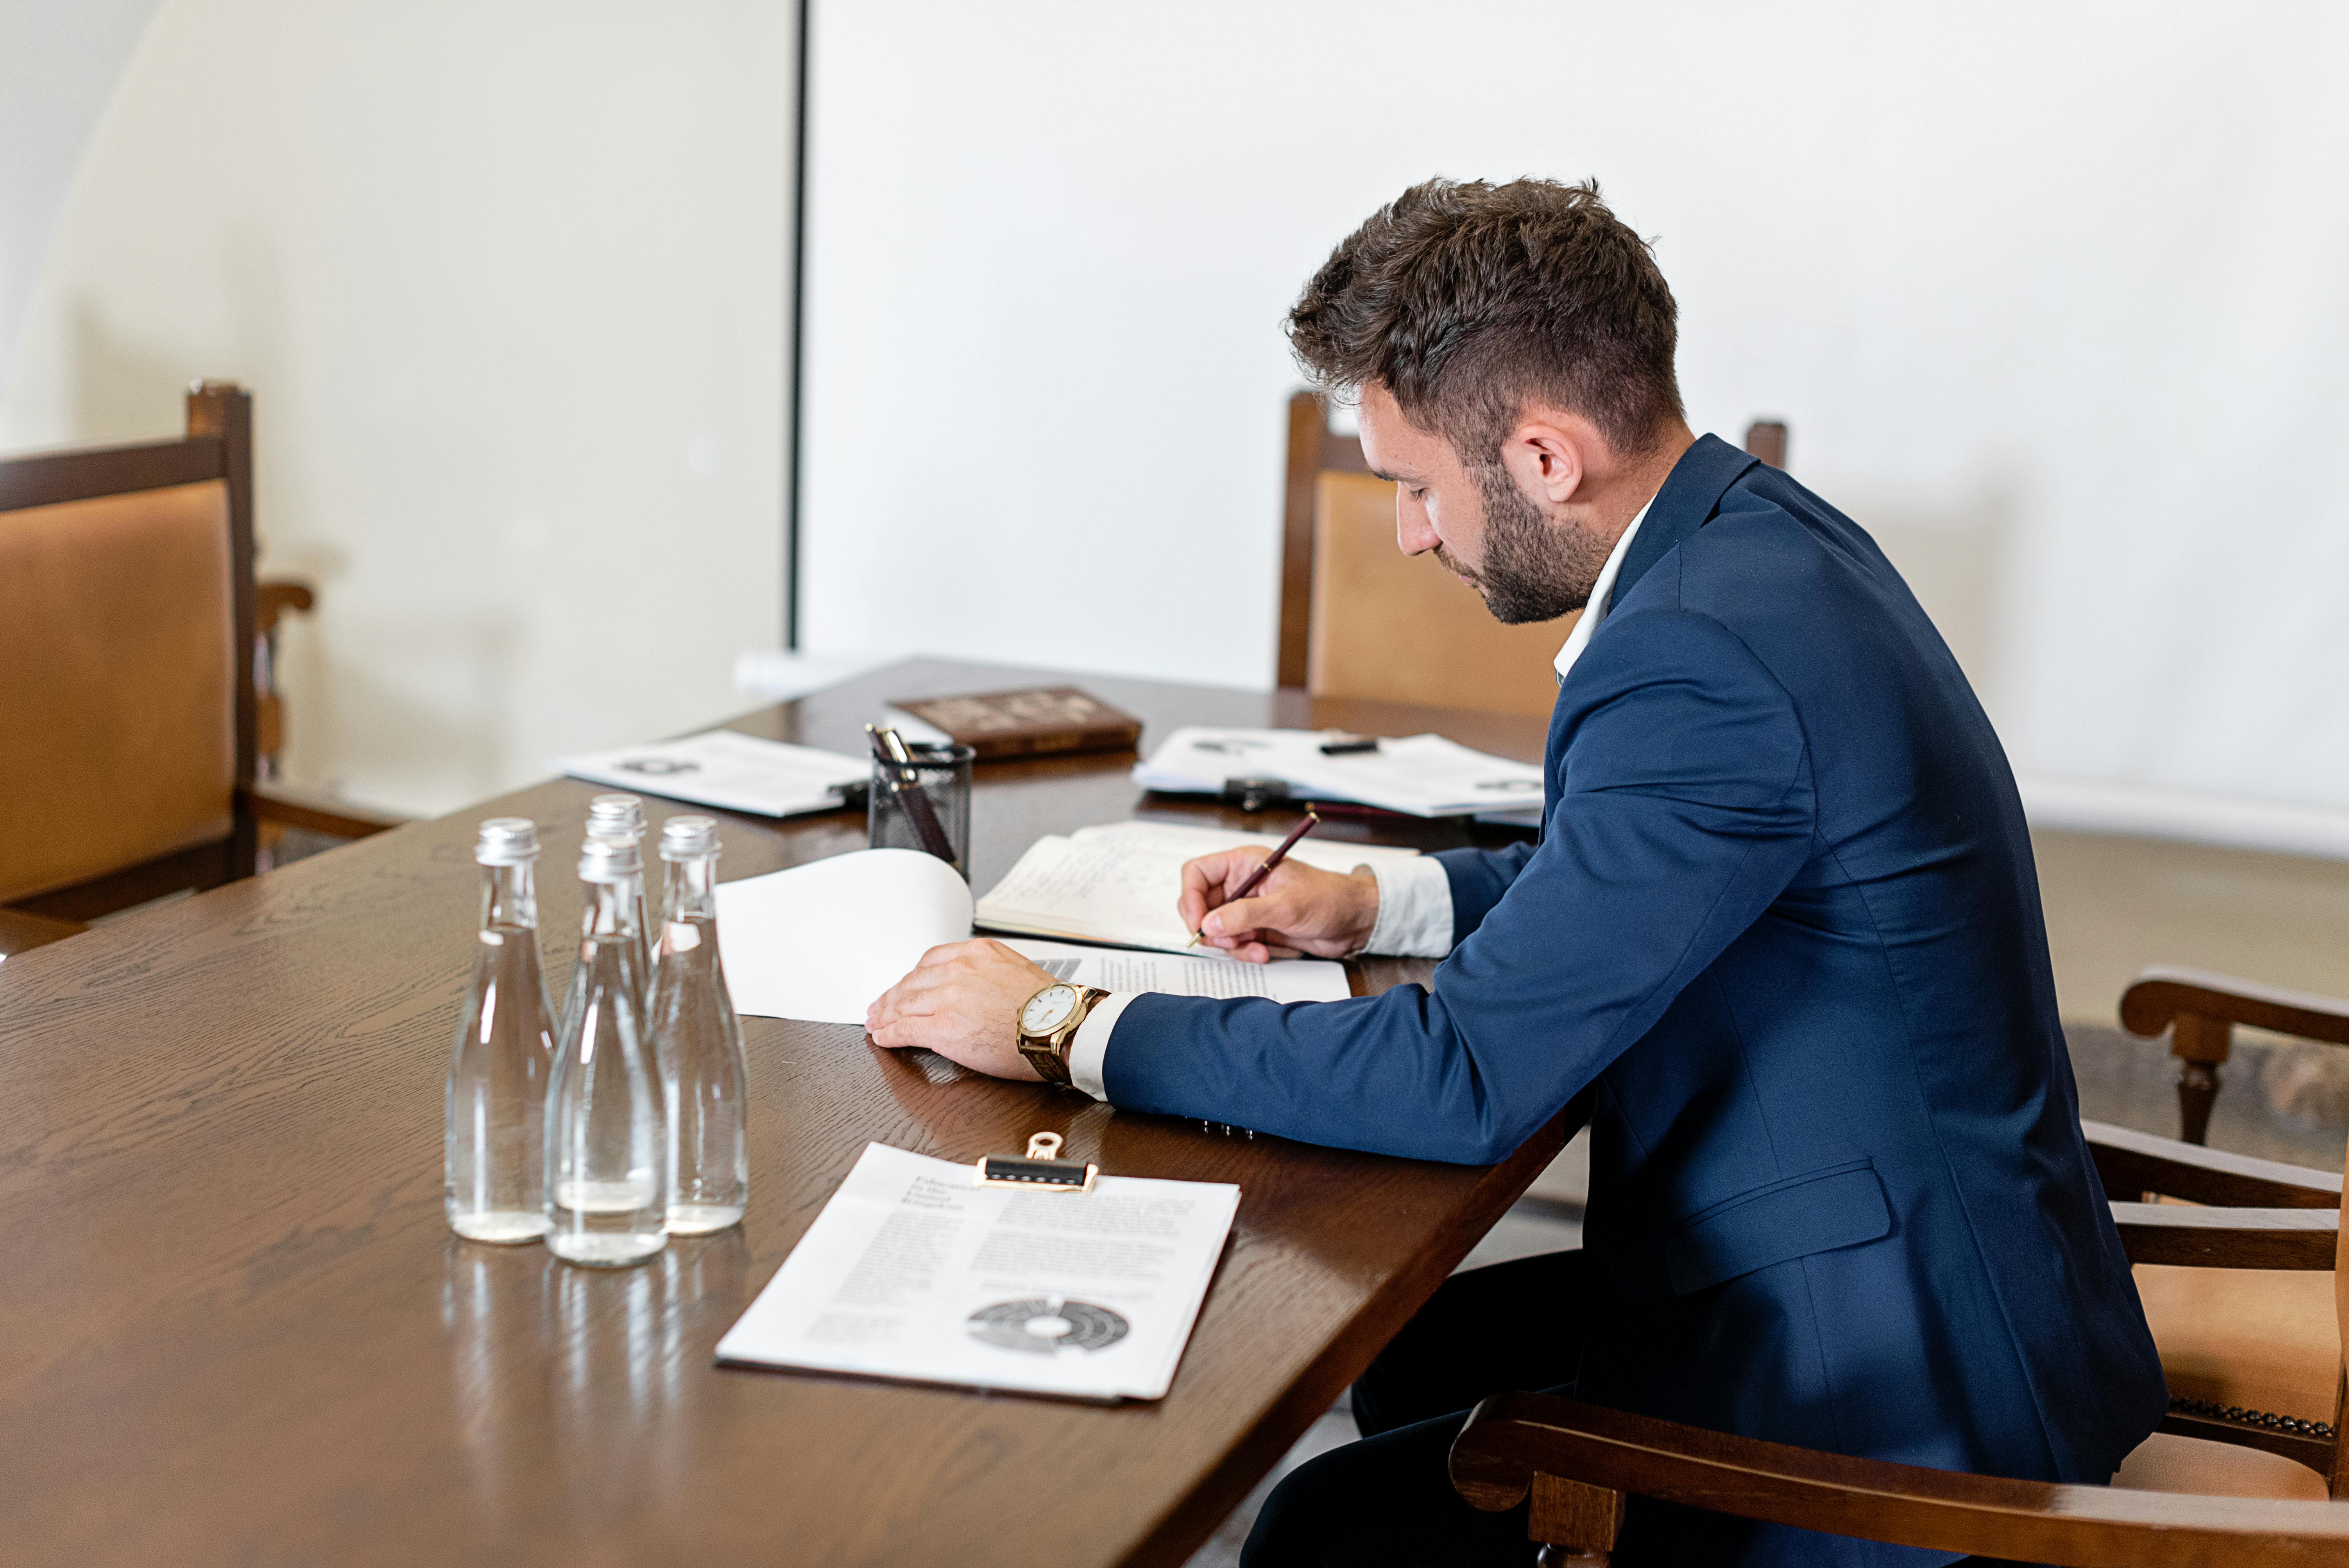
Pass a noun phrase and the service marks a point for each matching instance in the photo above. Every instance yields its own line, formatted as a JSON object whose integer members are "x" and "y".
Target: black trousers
{"x": 1387, "y": 1502}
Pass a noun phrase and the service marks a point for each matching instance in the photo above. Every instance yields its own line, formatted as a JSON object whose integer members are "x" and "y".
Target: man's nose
{"x": 1414, "y": 535}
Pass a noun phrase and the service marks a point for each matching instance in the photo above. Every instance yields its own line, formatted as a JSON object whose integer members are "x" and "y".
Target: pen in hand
{"x": 1256, "y": 878}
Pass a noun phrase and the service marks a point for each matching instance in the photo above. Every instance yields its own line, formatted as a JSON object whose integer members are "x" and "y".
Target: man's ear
{"x": 1548, "y": 457}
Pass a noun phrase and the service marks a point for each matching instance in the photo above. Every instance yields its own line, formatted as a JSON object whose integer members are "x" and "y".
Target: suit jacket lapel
{"x": 1686, "y": 504}
{"x": 1691, "y": 493}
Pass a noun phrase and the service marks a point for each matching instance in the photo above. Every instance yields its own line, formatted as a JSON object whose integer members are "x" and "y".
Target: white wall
{"x": 508, "y": 283}
{"x": 2052, "y": 296}
{"x": 60, "y": 61}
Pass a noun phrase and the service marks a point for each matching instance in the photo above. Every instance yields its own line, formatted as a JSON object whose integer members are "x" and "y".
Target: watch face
{"x": 1048, "y": 1009}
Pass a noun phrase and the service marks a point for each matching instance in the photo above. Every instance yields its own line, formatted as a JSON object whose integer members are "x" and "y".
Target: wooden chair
{"x": 2259, "y": 1350}
{"x": 2241, "y": 1277}
{"x": 2201, "y": 1011}
{"x": 2167, "y": 1510}
{"x": 1358, "y": 618}
{"x": 133, "y": 717}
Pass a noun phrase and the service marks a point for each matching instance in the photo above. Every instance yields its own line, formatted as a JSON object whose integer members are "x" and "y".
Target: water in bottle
{"x": 493, "y": 1149}
{"x": 699, "y": 1039}
{"x": 607, "y": 1117}
{"x": 622, "y": 818}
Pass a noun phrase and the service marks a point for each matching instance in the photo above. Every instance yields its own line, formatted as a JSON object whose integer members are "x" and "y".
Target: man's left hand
{"x": 962, "y": 1001}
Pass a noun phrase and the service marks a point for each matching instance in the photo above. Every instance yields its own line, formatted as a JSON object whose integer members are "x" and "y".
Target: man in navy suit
{"x": 1779, "y": 940}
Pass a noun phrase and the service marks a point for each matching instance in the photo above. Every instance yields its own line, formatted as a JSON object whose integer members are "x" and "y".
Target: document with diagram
{"x": 913, "y": 1271}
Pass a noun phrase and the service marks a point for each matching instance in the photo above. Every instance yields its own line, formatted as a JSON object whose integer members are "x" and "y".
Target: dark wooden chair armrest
{"x": 271, "y": 600}
{"x": 337, "y": 819}
{"x": 2133, "y": 1163}
{"x": 1573, "y": 1457}
{"x": 2228, "y": 1238}
{"x": 2159, "y": 996}
{"x": 20, "y": 932}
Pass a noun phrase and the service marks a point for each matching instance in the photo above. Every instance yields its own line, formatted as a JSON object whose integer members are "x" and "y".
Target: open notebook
{"x": 1118, "y": 883}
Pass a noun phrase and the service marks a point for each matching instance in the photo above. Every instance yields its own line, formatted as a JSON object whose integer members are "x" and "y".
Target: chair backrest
{"x": 1361, "y": 619}
{"x": 127, "y": 718}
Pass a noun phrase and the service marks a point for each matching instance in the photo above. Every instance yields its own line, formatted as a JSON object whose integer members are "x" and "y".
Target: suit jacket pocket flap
{"x": 1838, "y": 1207}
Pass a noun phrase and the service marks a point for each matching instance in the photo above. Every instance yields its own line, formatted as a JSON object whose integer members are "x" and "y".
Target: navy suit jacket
{"x": 1783, "y": 923}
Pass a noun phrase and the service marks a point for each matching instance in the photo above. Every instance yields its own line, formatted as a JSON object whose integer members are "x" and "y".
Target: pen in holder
{"x": 920, "y": 798}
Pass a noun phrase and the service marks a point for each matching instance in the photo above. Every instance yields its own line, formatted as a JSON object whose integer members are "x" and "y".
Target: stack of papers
{"x": 913, "y": 1271}
{"x": 1119, "y": 882}
{"x": 1418, "y": 775}
{"x": 731, "y": 771}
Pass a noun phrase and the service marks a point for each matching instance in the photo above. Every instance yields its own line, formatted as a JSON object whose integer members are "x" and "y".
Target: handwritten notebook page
{"x": 1120, "y": 883}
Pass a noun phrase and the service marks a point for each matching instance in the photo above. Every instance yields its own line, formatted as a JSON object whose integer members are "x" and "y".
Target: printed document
{"x": 732, "y": 771}
{"x": 1121, "y": 969}
{"x": 1119, "y": 883}
{"x": 1417, "y": 775}
{"x": 915, "y": 1273}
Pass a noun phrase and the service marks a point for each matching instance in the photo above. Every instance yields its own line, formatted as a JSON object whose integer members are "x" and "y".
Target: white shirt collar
{"x": 1600, "y": 592}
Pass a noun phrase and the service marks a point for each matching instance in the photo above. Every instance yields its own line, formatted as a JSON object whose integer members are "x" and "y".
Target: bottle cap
{"x": 616, "y": 817}
{"x": 507, "y": 841}
{"x": 609, "y": 860}
{"x": 689, "y": 838}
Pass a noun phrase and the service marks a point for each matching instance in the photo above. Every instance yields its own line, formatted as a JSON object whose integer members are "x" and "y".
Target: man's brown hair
{"x": 1467, "y": 300}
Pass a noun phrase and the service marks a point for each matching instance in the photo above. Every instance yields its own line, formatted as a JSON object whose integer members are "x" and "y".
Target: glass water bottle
{"x": 494, "y": 1151}
{"x": 607, "y": 1120}
{"x": 622, "y": 818}
{"x": 699, "y": 1041}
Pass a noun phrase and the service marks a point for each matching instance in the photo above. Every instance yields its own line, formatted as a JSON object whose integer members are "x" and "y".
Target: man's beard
{"x": 1534, "y": 569}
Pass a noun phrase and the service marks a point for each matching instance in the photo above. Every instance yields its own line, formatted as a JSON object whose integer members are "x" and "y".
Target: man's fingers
{"x": 1243, "y": 915}
{"x": 1205, "y": 882}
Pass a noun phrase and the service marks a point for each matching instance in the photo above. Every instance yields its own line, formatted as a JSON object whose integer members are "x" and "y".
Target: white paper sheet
{"x": 821, "y": 940}
{"x": 732, "y": 771}
{"x": 1419, "y": 775}
{"x": 1121, "y": 969}
{"x": 913, "y": 1271}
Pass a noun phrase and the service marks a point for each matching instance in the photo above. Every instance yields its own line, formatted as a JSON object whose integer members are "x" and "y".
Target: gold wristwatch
{"x": 1048, "y": 1025}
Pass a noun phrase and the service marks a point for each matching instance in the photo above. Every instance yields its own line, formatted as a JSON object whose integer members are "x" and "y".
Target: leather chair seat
{"x": 2197, "y": 1466}
{"x": 2263, "y": 1339}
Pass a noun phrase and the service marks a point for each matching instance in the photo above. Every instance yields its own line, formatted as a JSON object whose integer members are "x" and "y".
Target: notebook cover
{"x": 1029, "y": 723}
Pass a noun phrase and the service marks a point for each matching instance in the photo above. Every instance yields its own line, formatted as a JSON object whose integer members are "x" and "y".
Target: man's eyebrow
{"x": 1391, "y": 478}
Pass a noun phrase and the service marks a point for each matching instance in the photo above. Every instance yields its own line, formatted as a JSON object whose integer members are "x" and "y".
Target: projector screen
{"x": 2051, "y": 297}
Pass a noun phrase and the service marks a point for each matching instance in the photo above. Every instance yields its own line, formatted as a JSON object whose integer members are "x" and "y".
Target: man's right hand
{"x": 1299, "y": 908}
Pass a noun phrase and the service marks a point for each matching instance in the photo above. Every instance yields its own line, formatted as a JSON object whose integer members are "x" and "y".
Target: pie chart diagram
{"x": 1042, "y": 1326}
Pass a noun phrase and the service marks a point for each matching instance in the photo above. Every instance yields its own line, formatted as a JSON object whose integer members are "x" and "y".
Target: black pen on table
{"x": 1264, "y": 868}
{"x": 889, "y": 750}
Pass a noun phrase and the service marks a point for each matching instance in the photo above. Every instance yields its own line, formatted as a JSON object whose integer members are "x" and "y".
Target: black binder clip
{"x": 1039, "y": 1170}
{"x": 1253, "y": 795}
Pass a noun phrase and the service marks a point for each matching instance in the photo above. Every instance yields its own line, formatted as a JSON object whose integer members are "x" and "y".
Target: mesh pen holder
{"x": 923, "y": 803}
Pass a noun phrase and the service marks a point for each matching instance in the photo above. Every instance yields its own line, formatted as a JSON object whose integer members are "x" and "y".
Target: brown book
{"x": 1029, "y": 723}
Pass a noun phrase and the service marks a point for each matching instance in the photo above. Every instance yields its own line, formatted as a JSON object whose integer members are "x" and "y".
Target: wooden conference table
{"x": 236, "y": 1329}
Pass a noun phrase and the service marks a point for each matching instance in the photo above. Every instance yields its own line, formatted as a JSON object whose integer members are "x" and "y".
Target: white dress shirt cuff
{"x": 1414, "y": 910}
{"x": 1089, "y": 1052}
